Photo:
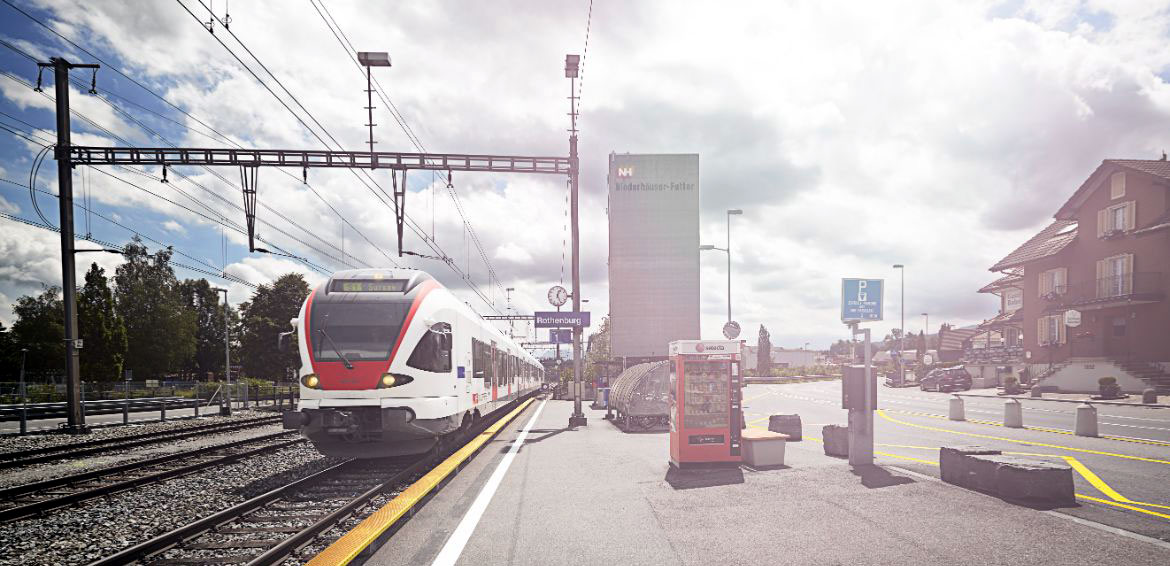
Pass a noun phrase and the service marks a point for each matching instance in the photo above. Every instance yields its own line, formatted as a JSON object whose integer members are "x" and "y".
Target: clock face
{"x": 557, "y": 296}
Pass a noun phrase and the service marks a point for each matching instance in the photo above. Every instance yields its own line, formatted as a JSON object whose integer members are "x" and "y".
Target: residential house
{"x": 1086, "y": 297}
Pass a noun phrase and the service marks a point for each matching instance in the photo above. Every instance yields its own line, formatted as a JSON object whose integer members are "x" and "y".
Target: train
{"x": 392, "y": 363}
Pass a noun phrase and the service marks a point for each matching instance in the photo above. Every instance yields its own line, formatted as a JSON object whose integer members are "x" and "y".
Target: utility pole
{"x": 227, "y": 351}
{"x": 511, "y": 323}
{"x": 571, "y": 70}
{"x": 729, "y": 213}
{"x": 75, "y": 423}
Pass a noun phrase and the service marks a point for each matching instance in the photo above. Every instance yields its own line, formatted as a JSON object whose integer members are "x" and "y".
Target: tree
{"x": 159, "y": 327}
{"x": 764, "y": 351}
{"x": 203, "y": 300}
{"x": 101, "y": 329}
{"x": 263, "y": 318}
{"x": 598, "y": 352}
{"x": 840, "y": 348}
{"x": 9, "y": 354}
{"x": 40, "y": 327}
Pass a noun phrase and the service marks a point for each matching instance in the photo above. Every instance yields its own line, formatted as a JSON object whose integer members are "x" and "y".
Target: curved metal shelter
{"x": 641, "y": 396}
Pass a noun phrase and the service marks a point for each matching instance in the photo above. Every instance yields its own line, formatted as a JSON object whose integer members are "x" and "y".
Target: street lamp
{"x": 902, "y": 303}
{"x": 727, "y": 250}
{"x": 370, "y": 59}
{"x": 926, "y": 331}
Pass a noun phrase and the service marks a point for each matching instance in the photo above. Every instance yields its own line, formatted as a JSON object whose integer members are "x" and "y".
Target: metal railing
{"x": 1147, "y": 285}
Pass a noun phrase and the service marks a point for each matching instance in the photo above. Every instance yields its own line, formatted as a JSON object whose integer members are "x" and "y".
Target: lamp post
{"x": 902, "y": 304}
{"x": 926, "y": 331}
{"x": 23, "y": 394}
{"x": 227, "y": 351}
{"x": 727, "y": 250}
{"x": 370, "y": 59}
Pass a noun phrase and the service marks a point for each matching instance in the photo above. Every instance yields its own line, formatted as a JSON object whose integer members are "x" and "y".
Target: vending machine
{"x": 705, "y": 402}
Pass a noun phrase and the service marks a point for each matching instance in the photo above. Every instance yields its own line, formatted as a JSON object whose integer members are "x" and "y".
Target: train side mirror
{"x": 443, "y": 330}
{"x": 283, "y": 341}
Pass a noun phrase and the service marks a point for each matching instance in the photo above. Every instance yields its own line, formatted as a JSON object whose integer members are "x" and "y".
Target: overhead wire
{"x": 407, "y": 219}
{"x": 194, "y": 118}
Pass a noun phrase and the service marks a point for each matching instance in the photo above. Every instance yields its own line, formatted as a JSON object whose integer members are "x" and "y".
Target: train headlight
{"x": 310, "y": 381}
{"x": 392, "y": 380}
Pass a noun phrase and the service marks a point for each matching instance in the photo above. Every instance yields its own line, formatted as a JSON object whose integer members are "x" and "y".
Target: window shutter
{"x": 1060, "y": 329}
{"x": 1117, "y": 185}
{"x": 1130, "y": 215}
{"x": 1041, "y": 331}
{"x": 1102, "y": 222}
{"x": 1062, "y": 276}
{"x": 1102, "y": 267}
{"x": 1127, "y": 275}
{"x": 1043, "y": 284}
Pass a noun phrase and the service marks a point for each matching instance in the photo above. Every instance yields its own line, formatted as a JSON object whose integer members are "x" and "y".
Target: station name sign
{"x": 556, "y": 319}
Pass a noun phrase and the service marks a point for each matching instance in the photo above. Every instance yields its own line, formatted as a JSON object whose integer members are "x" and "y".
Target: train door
{"x": 495, "y": 372}
{"x": 511, "y": 374}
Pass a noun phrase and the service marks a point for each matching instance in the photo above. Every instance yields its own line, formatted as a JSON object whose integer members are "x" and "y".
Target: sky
{"x": 938, "y": 135}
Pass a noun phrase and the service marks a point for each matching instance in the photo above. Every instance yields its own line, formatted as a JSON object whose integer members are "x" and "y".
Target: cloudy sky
{"x": 854, "y": 135}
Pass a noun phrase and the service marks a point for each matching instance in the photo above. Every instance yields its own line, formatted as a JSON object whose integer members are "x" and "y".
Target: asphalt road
{"x": 1122, "y": 479}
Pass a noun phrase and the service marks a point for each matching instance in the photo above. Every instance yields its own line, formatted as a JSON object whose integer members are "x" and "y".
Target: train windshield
{"x": 357, "y": 331}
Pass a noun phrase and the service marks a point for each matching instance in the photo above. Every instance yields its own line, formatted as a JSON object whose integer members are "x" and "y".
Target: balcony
{"x": 1118, "y": 290}
{"x": 993, "y": 355}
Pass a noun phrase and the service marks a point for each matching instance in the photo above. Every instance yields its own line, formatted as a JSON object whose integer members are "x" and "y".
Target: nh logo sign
{"x": 625, "y": 171}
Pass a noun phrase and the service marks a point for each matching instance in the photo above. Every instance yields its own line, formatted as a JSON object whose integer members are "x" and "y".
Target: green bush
{"x": 1011, "y": 380}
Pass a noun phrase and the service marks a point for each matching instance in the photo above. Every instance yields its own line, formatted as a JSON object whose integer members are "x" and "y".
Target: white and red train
{"x": 392, "y": 361}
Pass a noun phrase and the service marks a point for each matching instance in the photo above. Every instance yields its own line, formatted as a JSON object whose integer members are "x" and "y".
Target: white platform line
{"x": 458, "y": 540}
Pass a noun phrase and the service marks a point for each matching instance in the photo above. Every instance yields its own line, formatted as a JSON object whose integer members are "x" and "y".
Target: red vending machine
{"x": 705, "y": 406}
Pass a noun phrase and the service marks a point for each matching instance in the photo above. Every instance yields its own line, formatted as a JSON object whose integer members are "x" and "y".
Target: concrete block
{"x": 1086, "y": 420}
{"x": 1032, "y": 481}
{"x": 786, "y": 424}
{"x": 836, "y": 439}
{"x": 980, "y": 472}
{"x": 1013, "y": 414}
{"x": 953, "y": 463}
{"x": 957, "y": 412}
{"x": 763, "y": 448}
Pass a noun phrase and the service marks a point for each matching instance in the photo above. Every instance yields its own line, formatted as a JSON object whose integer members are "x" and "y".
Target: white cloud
{"x": 175, "y": 227}
{"x": 938, "y": 135}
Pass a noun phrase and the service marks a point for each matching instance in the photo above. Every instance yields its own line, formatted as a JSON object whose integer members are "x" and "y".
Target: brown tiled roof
{"x": 953, "y": 339}
{"x": 1156, "y": 167}
{"x": 1005, "y": 281}
{"x": 1042, "y": 245}
{"x": 1001, "y": 319}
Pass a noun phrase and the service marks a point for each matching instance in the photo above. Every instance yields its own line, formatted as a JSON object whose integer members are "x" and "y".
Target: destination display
{"x": 368, "y": 285}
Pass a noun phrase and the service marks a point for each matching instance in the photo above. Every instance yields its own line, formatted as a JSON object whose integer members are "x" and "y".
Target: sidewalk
{"x": 595, "y": 495}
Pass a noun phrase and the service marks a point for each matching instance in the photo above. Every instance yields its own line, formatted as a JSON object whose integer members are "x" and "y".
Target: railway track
{"x": 273, "y": 527}
{"x": 38, "y": 497}
{"x": 22, "y": 458}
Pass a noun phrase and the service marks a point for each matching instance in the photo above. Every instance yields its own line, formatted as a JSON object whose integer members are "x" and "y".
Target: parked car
{"x": 946, "y": 379}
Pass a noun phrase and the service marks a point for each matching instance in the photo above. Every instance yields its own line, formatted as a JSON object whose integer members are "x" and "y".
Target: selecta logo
{"x": 701, "y": 347}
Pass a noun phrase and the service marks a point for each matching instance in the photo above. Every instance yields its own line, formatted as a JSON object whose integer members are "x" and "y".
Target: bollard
{"x": 1086, "y": 420}
{"x": 1037, "y": 392}
{"x": 162, "y": 410}
{"x": 1013, "y": 414}
{"x": 195, "y": 396}
{"x": 1149, "y": 396}
{"x": 245, "y": 396}
{"x": 126, "y": 405}
{"x": 957, "y": 412}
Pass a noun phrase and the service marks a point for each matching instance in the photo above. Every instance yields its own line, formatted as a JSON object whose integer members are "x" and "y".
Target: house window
{"x": 1115, "y": 219}
{"x": 1117, "y": 185}
{"x": 1053, "y": 281}
{"x": 1115, "y": 276}
{"x": 1050, "y": 329}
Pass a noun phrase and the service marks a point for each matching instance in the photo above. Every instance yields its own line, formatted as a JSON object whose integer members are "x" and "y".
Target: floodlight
{"x": 374, "y": 58}
{"x": 572, "y": 62}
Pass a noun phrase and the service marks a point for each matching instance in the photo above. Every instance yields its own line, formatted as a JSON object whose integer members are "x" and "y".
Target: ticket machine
{"x": 705, "y": 402}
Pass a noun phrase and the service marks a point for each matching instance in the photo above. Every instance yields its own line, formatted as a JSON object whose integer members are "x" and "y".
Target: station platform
{"x": 596, "y": 495}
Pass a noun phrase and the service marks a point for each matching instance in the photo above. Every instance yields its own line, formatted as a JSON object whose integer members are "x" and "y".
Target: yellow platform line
{"x": 1124, "y": 506}
{"x": 882, "y": 413}
{"x": 1036, "y": 428}
{"x": 350, "y": 545}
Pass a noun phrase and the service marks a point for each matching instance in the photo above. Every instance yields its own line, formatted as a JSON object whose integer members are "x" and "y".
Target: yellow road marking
{"x": 882, "y": 413}
{"x": 1036, "y": 428}
{"x": 1124, "y": 506}
{"x": 351, "y": 544}
{"x": 1084, "y": 471}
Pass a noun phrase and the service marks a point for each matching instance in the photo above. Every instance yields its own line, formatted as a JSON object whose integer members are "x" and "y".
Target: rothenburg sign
{"x": 558, "y": 319}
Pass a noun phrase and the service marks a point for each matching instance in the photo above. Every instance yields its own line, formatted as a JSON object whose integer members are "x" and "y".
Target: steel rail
{"x": 77, "y": 450}
{"x": 20, "y": 511}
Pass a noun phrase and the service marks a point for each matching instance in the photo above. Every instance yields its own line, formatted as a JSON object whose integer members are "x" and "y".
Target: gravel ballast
{"x": 103, "y": 527}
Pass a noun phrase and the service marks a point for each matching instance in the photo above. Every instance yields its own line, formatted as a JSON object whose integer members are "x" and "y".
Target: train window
{"x": 478, "y": 359}
{"x": 355, "y": 331}
{"x": 433, "y": 352}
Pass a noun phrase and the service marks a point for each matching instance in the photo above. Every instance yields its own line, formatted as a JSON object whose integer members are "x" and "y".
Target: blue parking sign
{"x": 861, "y": 299}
